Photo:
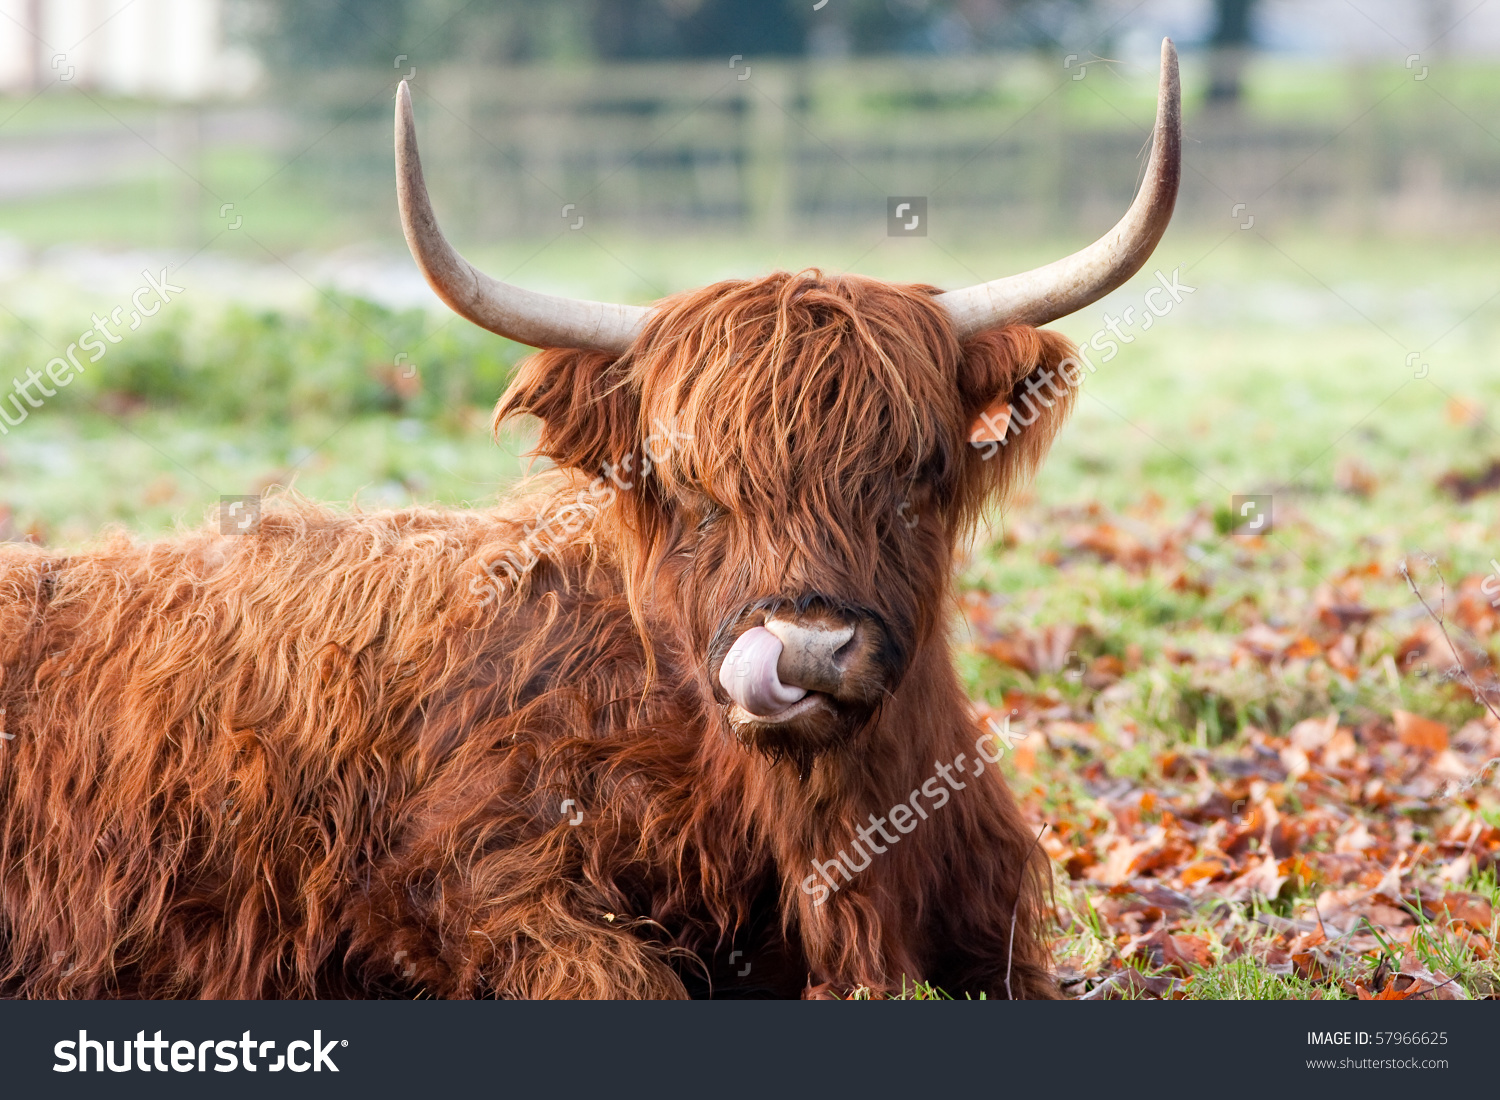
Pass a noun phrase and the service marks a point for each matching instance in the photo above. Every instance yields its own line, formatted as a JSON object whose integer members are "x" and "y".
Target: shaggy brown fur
{"x": 332, "y": 756}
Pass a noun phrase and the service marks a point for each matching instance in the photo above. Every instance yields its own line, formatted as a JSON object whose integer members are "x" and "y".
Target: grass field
{"x": 1251, "y": 752}
{"x": 1261, "y": 774}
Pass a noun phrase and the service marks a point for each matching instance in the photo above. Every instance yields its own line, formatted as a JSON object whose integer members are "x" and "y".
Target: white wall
{"x": 163, "y": 49}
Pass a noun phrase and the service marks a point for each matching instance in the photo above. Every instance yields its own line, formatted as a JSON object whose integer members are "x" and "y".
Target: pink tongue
{"x": 749, "y": 674}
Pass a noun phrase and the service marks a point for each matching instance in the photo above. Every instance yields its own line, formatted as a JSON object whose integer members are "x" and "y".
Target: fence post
{"x": 767, "y": 182}
{"x": 180, "y": 136}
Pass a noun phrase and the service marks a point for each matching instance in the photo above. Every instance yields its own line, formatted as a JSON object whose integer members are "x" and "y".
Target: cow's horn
{"x": 1047, "y": 293}
{"x": 541, "y": 320}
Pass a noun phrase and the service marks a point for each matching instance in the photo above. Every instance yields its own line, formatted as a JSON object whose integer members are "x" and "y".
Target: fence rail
{"x": 995, "y": 143}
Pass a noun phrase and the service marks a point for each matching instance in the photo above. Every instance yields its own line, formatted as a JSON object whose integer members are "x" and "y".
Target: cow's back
{"x": 213, "y": 741}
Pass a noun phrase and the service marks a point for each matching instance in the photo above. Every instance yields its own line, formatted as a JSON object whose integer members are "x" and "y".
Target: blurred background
{"x": 1339, "y": 206}
{"x": 1328, "y": 352}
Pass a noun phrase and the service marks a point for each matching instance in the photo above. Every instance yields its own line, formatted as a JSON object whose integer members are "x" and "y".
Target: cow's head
{"x": 796, "y": 457}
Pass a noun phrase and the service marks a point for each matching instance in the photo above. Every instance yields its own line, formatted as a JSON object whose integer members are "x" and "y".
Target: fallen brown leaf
{"x": 1417, "y": 732}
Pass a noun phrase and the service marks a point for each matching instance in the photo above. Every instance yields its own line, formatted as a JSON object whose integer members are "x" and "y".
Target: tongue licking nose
{"x": 748, "y": 674}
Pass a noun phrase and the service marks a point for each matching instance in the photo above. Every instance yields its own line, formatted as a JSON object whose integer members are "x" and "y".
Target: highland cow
{"x": 621, "y": 736}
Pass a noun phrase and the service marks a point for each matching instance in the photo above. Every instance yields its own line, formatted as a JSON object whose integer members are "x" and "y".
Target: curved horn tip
{"x": 1044, "y": 294}
{"x": 528, "y": 317}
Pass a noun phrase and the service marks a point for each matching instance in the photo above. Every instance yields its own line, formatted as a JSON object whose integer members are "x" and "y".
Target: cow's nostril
{"x": 814, "y": 655}
{"x": 845, "y": 652}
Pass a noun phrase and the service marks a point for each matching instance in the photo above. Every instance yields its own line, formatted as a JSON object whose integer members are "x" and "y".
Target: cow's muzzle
{"x": 803, "y": 674}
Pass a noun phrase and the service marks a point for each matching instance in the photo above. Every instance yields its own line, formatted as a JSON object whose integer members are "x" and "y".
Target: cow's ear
{"x": 991, "y": 425}
{"x": 1018, "y": 384}
{"x": 589, "y": 408}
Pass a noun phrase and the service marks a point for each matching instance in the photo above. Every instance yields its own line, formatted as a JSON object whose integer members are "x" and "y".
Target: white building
{"x": 160, "y": 49}
{"x": 1370, "y": 29}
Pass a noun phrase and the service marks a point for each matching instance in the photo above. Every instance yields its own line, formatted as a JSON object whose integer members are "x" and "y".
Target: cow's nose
{"x": 819, "y": 655}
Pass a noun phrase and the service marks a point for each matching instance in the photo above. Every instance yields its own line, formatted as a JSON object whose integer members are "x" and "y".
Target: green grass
{"x": 154, "y": 472}
{"x": 1244, "y": 979}
{"x": 199, "y": 404}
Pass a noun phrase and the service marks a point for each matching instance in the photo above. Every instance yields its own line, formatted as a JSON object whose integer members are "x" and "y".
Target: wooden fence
{"x": 995, "y": 144}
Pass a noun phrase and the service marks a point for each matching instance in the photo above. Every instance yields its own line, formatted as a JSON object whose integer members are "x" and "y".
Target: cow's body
{"x": 318, "y": 760}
